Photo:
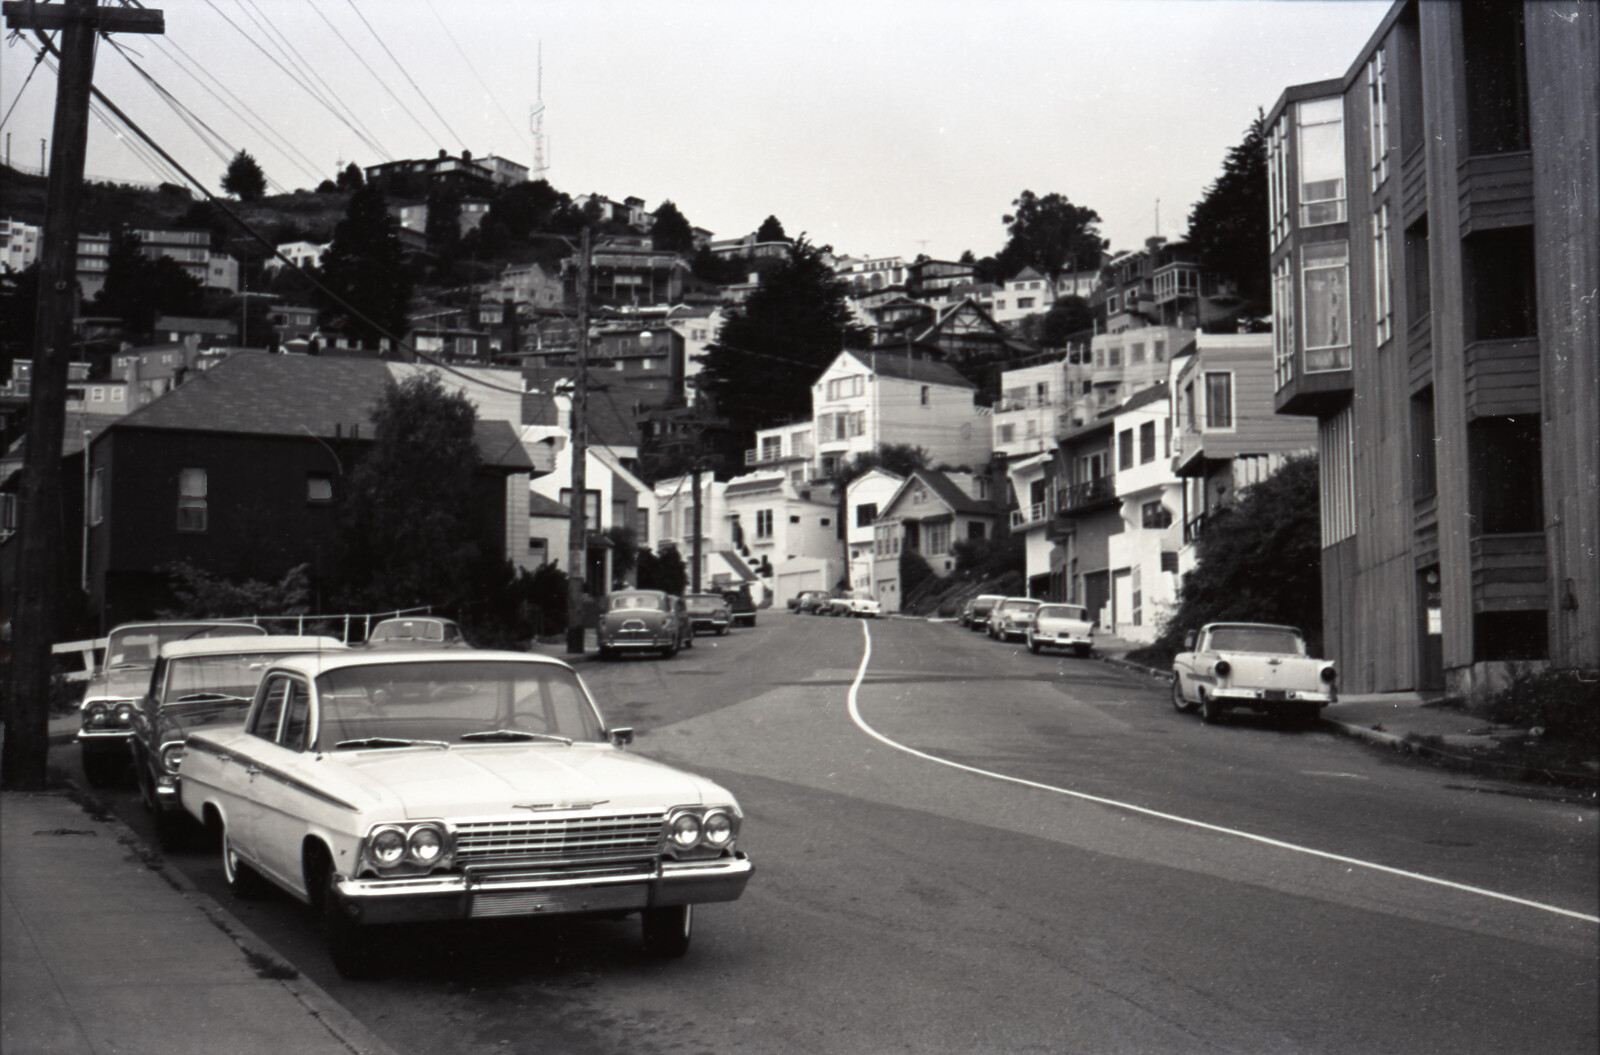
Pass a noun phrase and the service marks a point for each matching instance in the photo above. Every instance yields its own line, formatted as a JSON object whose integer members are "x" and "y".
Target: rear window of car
{"x": 1062, "y": 611}
{"x": 1256, "y": 639}
{"x": 634, "y": 602}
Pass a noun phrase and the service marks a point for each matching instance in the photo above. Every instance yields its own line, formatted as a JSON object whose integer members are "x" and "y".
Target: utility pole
{"x": 577, "y": 530}
{"x": 41, "y": 521}
{"x": 694, "y": 541}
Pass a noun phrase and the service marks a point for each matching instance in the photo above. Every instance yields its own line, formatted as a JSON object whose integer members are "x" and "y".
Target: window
{"x": 1496, "y": 77}
{"x": 1041, "y": 393}
{"x": 1099, "y": 357}
{"x": 1383, "y": 300}
{"x": 539, "y": 550}
{"x": 1188, "y": 407}
{"x": 771, "y": 448}
{"x": 1031, "y": 428}
{"x": 1325, "y": 273}
{"x": 938, "y": 539}
{"x": 1378, "y": 115}
{"x": 1160, "y": 351}
{"x": 763, "y": 523}
{"x": 1125, "y": 449}
{"x": 975, "y": 529}
{"x": 1005, "y": 433}
{"x": 1147, "y": 442}
{"x": 296, "y": 718}
{"x": 1500, "y": 302}
{"x": 1113, "y": 304}
{"x": 924, "y": 395}
{"x": 191, "y": 500}
{"x": 1278, "y": 178}
{"x": 1504, "y": 475}
{"x": 1283, "y": 323}
{"x": 1321, "y": 161}
{"x": 666, "y": 524}
{"x": 319, "y": 487}
{"x": 1424, "y": 469}
{"x": 97, "y": 496}
{"x": 591, "y": 505}
{"x": 1114, "y": 355}
{"x": 264, "y": 723}
{"x": 1155, "y": 515}
{"x": 1136, "y": 353}
{"x": 845, "y": 387}
{"x": 1024, "y": 303}
{"x": 866, "y": 513}
{"x": 1219, "y": 401}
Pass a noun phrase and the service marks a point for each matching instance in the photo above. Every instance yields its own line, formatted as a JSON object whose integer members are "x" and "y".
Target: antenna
{"x": 536, "y": 121}
{"x": 1158, "y": 217}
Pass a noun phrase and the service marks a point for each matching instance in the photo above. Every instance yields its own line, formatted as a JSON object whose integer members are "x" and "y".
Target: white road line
{"x": 855, "y": 716}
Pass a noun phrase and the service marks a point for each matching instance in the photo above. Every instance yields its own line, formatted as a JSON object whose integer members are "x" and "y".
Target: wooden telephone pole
{"x": 41, "y": 520}
{"x": 578, "y": 528}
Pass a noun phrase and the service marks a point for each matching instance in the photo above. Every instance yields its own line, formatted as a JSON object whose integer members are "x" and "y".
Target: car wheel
{"x": 670, "y": 651}
{"x": 244, "y": 882}
{"x": 667, "y": 930}
{"x": 1033, "y": 644}
{"x": 722, "y": 631}
{"x": 1211, "y": 711}
{"x": 1179, "y": 704}
{"x": 350, "y": 945}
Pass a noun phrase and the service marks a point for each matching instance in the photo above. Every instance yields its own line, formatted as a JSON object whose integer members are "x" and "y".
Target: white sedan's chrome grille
{"x": 497, "y": 843}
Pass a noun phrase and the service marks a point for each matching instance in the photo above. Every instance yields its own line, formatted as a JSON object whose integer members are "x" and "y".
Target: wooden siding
{"x": 1495, "y": 191}
{"x": 1502, "y": 377}
{"x": 1508, "y": 573}
{"x": 1414, "y": 187}
{"x": 1419, "y": 347}
{"x": 1564, "y": 82}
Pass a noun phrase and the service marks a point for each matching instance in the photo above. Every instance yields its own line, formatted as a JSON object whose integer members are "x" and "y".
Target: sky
{"x": 879, "y": 127}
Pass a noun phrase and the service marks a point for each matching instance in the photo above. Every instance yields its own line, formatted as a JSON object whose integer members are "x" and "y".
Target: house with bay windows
{"x": 928, "y": 514}
{"x": 1435, "y": 247}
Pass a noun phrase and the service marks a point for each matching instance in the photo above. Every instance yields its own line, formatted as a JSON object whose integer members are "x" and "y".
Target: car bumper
{"x": 105, "y": 739}
{"x": 1064, "y": 640}
{"x": 478, "y": 896}
{"x": 625, "y": 643}
{"x": 1268, "y": 697}
{"x": 710, "y": 624}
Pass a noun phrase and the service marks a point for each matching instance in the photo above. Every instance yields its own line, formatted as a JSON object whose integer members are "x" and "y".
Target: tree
{"x": 201, "y": 595}
{"x": 1228, "y": 227}
{"x": 771, "y": 231}
{"x": 244, "y": 178}
{"x": 406, "y": 527}
{"x": 1052, "y": 235}
{"x": 663, "y": 570}
{"x": 1234, "y": 581}
{"x": 1067, "y": 316}
{"x": 902, "y": 459}
{"x": 139, "y": 288}
{"x": 759, "y": 370}
{"x": 351, "y": 178}
{"x": 365, "y": 267}
{"x": 671, "y": 232}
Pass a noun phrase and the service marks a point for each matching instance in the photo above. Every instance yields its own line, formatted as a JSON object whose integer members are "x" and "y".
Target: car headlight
{"x": 94, "y": 714}
{"x": 685, "y": 830}
{"x": 172, "y": 757}
{"x": 717, "y": 829}
{"x": 425, "y": 845}
{"x": 388, "y": 847}
{"x": 1328, "y": 674}
{"x": 124, "y": 714}
{"x": 1223, "y": 668}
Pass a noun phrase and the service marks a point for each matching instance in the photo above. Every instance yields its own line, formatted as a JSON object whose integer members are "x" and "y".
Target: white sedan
{"x": 403, "y": 786}
{"x": 1257, "y": 666}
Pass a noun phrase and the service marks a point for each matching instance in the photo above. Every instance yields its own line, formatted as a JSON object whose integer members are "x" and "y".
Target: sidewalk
{"x": 104, "y": 949}
{"x": 1413, "y": 723}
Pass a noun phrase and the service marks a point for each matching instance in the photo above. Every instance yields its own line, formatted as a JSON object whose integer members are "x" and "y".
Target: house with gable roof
{"x": 928, "y": 514}
{"x": 240, "y": 472}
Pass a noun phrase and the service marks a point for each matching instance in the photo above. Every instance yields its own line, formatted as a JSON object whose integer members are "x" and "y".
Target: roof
{"x": 954, "y": 496}
{"x": 1156, "y": 393}
{"x": 540, "y": 506}
{"x": 926, "y": 371}
{"x": 321, "y": 397}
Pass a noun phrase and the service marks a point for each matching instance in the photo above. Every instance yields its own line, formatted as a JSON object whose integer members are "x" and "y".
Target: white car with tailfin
{"x": 1254, "y": 666}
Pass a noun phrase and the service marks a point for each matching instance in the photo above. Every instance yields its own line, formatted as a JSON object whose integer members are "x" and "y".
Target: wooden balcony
{"x": 1509, "y": 572}
{"x": 1495, "y": 190}
{"x": 1502, "y": 377}
{"x": 1419, "y": 351}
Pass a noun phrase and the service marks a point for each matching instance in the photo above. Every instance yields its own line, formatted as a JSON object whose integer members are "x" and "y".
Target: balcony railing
{"x": 1090, "y": 492}
{"x": 1036, "y": 513}
{"x": 1193, "y": 528}
{"x": 767, "y": 457}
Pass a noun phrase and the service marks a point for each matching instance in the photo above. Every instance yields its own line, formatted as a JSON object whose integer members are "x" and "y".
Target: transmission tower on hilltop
{"x": 541, "y": 164}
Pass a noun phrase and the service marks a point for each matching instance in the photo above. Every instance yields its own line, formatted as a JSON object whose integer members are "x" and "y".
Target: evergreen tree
{"x": 404, "y": 542}
{"x": 771, "y": 348}
{"x": 244, "y": 178}
{"x": 671, "y": 232}
{"x": 365, "y": 267}
{"x": 138, "y": 288}
{"x": 351, "y": 178}
{"x": 771, "y": 231}
{"x": 1228, "y": 226}
{"x": 1052, "y": 235}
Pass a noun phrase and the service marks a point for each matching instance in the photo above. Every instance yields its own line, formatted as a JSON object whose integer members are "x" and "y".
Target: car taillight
{"x": 1328, "y": 674}
{"x": 1223, "y": 668}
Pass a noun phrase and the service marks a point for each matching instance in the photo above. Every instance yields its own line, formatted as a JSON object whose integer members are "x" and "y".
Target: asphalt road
{"x": 962, "y": 847}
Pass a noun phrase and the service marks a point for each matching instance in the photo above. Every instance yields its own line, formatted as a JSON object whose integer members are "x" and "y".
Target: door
{"x": 284, "y": 807}
{"x": 1430, "y": 632}
{"x": 1096, "y": 592}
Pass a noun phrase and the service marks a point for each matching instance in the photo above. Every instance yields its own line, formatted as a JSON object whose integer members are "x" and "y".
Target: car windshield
{"x": 1062, "y": 611}
{"x": 983, "y": 604}
{"x": 1020, "y": 606}
{"x": 487, "y": 701}
{"x": 634, "y": 602}
{"x": 409, "y": 630}
{"x": 137, "y": 646}
{"x": 701, "y": 601}
{"x": 1256, "y": 639}
{"x": 195, "y": 679}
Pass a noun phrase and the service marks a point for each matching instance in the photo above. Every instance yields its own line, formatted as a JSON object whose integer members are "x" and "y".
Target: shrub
{"x": 1565, "y": 703}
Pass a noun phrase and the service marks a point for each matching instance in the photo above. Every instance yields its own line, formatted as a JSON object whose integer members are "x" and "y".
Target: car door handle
{"x": 252, "y": 771}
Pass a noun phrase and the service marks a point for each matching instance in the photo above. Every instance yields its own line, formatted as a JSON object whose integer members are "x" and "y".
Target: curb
{"x": 333, "y": 1016}
{"x": 1562, "y": 778}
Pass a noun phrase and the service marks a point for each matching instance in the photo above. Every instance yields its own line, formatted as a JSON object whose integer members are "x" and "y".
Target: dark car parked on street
{"x": 741, "y": 603}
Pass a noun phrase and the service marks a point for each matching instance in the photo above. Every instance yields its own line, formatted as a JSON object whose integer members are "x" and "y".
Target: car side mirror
{"x": 1188, "y": 641}
{"x": 623, "y": 736}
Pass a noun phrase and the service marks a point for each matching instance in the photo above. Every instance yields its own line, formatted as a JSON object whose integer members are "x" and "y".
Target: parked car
{"x": 1012, "y": 618}
{"x": 708, "y": 611}
{"x": 1061, "y": 626}
{"x": 642, "y": 621}
{"x": 198, "y": 684}
{"x": 417, "y": 631}
{"x": 110, "y": 700}
{"x": 390, "y": 787}
{"x": 976, "y": 614}
{"x": 859, "y": 603}
{"x": 807, "y": 602}
{"x": 1258, "y": 666}
{"x": 740, "y": 603}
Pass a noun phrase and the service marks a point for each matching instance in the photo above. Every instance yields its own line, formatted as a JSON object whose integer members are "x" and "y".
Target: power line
{"x": 366, "y": 66}
{"x": 403, "y": 72}
{"x": 468, "y": 60}
{"x": 37, "y": 60}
